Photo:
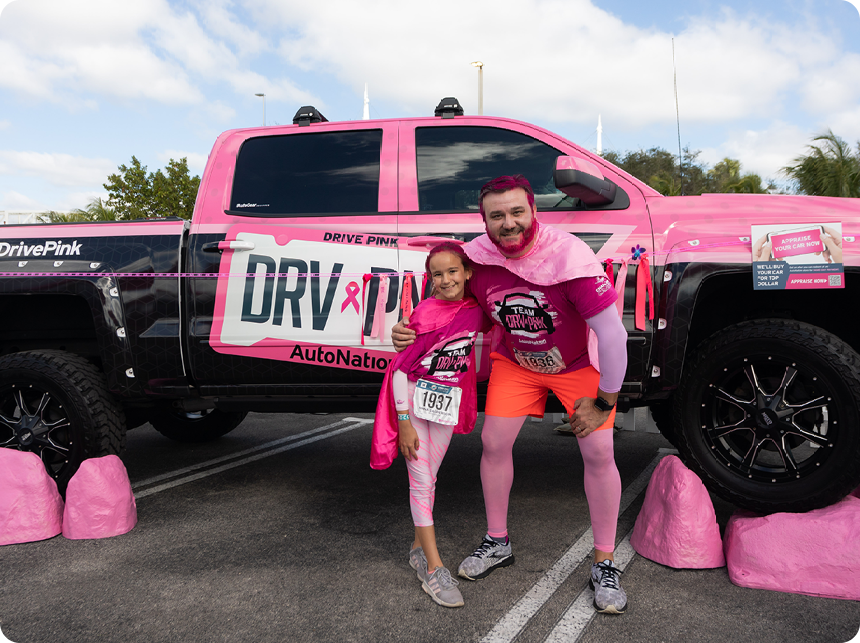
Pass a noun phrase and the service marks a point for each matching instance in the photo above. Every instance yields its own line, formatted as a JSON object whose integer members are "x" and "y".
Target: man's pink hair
{"x": 505, "y": 184}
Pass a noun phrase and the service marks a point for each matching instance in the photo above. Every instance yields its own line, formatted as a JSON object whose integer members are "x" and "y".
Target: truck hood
{"x": 718, "y": 226}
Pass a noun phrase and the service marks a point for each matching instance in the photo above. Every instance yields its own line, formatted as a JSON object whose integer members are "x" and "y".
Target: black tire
{"x": 768, "y": 415}
{"x": 57, "y": 405}
{"x": 135, "y": 417}
{"x": 663, "y": 416}
{"x": 199, "y": 426}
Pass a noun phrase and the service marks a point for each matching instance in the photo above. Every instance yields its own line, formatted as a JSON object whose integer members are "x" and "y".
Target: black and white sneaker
{"x": 609, "y": 597}
{"x": 488, "y": 556}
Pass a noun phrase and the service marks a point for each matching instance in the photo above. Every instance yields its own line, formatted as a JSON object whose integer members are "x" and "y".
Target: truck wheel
{"x": 198, "y": 426}
{"x": 57, "y": 405}
{"x": 767, "y": 415}
{"x": 663, "y": 416}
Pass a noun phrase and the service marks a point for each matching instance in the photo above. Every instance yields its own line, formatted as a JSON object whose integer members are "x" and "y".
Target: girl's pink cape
{"x": 556, "y": 256}
{"x": 429, "y": 315}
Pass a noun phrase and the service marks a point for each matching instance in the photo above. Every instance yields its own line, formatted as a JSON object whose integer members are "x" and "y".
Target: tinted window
{"x": 321, "y": 173}
{"x": 454, "y": 162}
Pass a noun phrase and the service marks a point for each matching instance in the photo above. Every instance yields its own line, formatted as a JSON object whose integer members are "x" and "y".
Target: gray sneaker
{"x": 609, "y": 597}
{"x": 418, "y": 562}
{"x": 441, "y": 587}
{"x": 488, "y": 556}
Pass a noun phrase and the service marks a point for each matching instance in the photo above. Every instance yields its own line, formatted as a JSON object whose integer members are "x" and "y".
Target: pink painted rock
{"x": 677, "y": 526}
{"x": 30, "y": 506}
{"x": 99, "y": 500}
{"x": 816, "y": 553}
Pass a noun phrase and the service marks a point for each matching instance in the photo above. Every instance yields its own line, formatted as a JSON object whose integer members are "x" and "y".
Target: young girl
{"x": 429, "y": 394}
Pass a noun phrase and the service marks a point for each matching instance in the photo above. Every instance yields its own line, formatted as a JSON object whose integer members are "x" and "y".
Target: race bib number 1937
{"x": 437, "y": 402}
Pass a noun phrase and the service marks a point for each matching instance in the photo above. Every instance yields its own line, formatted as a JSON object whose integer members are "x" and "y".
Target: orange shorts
{"x": 514, "y": 391}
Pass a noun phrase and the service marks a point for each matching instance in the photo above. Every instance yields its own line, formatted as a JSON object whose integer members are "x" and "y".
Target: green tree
{"x": 659, "y": 169}
{"x": 829, "y": 169}
{"x": 134, "y": 194}
{"x": 726, "y": 177}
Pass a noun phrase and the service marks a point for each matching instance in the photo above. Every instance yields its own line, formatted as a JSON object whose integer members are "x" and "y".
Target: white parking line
{"x": 511, "y": 624}
{"x": 267, "y": 450}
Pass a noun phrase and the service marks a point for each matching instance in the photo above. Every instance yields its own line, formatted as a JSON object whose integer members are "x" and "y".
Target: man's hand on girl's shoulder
{"x": 401, "y": 335}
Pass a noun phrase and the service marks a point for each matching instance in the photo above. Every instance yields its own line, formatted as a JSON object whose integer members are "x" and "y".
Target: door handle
{"x": 240, "y": 246}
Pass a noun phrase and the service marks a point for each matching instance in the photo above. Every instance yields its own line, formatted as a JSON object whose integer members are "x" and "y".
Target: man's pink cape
{"x": 556, "y": 256}
{"x": 429, "y": 315}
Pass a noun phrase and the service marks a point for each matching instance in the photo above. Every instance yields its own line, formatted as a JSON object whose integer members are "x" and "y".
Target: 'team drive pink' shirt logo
{"x": 524, "y": 314}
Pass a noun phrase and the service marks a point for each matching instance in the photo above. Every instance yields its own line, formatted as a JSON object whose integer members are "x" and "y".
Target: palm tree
{"x": 97, "y": 210}
{"x": 828, "y": 170}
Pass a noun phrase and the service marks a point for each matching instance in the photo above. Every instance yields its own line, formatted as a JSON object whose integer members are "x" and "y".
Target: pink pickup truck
{"x": 308, "y": 242}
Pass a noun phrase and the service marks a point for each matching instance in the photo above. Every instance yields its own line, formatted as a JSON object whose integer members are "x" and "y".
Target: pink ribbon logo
{"x": 352, "y": 290}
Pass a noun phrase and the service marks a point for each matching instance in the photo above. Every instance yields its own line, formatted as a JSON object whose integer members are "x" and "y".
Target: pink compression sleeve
{"x": 497, "y": 469}
{"x": 611, "y": 348}
{"x": 602, "y": 481}
{"x": 602, "y": 487}
{"x": 400, "y": 389}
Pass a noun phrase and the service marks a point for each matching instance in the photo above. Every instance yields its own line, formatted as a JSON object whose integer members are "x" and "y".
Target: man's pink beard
{"x": 528, "y": 236}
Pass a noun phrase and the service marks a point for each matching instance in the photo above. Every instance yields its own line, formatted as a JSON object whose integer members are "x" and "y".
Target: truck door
{"x": 291, "y": 221}
{"x": 443, "y": 164}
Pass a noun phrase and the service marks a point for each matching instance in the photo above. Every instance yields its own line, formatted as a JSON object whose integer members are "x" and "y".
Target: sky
{"x": 86, "y": 84}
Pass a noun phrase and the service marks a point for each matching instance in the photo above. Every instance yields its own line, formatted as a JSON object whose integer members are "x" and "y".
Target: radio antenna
{"x": 678, "y": 120}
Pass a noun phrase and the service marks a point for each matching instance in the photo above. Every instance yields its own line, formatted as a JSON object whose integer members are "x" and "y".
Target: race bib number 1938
{"x": 437, "y": 402}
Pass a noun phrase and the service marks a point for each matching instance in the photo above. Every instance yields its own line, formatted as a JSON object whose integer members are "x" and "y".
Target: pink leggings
{"x": 433, "y": 440}
{"x": 602, "y": 481}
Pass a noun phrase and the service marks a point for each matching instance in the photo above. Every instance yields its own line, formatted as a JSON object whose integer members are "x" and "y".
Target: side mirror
{"x": 582, "y": 180}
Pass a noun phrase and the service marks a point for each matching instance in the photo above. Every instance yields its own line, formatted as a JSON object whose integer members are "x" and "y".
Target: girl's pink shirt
{"x": 445, "y": 329}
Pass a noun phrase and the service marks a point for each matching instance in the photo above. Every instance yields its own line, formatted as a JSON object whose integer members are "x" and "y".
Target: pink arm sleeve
{"x": 400, "y": 388}
{"x": 611, "y": 348}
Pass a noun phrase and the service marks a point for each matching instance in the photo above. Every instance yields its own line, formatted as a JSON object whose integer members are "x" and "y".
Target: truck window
{"x": 454, "y": 162}
{"x": 308, "y": 174}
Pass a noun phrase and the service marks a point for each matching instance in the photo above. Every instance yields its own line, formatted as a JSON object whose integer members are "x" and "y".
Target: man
{"x": 547, "y": 293}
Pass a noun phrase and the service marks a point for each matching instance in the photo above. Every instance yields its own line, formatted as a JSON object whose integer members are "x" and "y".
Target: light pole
{"x": 480, "y": 67}
{"x": 263, "y": 96}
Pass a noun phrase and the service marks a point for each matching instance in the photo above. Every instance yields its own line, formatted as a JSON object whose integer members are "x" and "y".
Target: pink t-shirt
{"x": 446, "y": 354}
{"x": 544, "y": 326}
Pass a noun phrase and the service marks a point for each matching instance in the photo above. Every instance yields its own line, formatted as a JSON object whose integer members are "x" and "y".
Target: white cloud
{"x": 219, "y": 21}
{"x": 576, "y": 63}
{"x": 834, "y": 87}
{"x": 763, "y": 152}
{"x": 4, "y": 124}
{"x": 56, "y": 169}
{"x": 11, "y": 201}
{"x": 149, "y": 49}
{"x": 845, "y": 124}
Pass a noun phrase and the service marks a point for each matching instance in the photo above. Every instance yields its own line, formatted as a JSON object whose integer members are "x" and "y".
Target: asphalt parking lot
{"x": 280, "y": 531}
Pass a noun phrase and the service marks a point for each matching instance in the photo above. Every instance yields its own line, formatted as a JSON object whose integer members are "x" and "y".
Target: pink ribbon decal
{"x": 352, "y": 290}
{"x": 620, "y": 282}
{"x": 406, "y": 298}
{"x": 643, "y": 287}
{"x": 364, "y": 281}
{"x": 610, "y": 274}
{"x": 381, "y": 302}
